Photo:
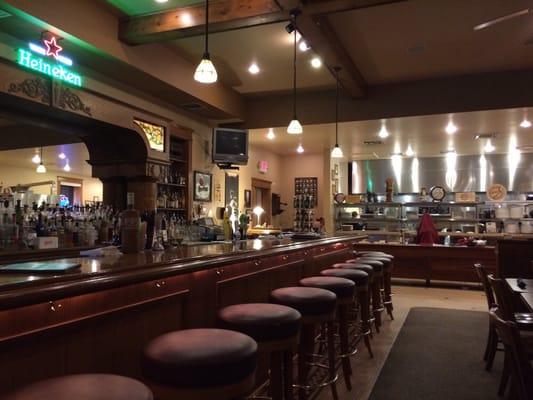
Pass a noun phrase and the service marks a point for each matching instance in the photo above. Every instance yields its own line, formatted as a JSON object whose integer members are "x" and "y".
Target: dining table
{"x": 522, "y": 288}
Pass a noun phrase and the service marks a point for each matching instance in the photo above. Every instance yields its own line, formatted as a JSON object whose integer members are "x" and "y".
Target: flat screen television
{"x": 230, "y": 146}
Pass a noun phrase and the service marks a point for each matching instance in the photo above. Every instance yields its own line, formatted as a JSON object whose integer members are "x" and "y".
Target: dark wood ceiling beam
{"x": 326, "y": 7}
{"x": 224, "y": 15}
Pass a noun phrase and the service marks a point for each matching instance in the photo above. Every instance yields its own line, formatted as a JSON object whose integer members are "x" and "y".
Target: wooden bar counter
{"x": 98, "y": 318}
{"x": 443, "y": 263}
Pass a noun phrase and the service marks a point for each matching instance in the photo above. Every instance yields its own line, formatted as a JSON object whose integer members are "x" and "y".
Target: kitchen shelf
{"x": 170, "y": 209}
{"x": 172, "y": 184}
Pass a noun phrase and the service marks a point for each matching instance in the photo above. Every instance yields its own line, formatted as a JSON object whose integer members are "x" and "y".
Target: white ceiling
{"x": 425, "y": 134}
{"x": 270, "y": 46}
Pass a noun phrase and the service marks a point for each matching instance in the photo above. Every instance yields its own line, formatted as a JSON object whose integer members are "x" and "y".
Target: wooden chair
{"x": 521, "y": 371}
{"x": 492, "y": 339}
{"x": 524, "y": 322}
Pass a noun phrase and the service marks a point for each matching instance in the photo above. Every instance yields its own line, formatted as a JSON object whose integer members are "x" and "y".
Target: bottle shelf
{"x": 172, "y": 184}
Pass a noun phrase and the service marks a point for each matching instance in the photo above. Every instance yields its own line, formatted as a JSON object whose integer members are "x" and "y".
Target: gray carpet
{"x": 438, "y": 355}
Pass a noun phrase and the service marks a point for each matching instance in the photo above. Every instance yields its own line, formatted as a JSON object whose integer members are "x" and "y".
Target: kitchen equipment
{"x": 526, "y": 226}
{"x": 511, "y": 227}
{"x": 347, "y": 227}
{"x": 516, "y": 211}
{"x": 502, "y": 213}
{"x": 339, "y": 198}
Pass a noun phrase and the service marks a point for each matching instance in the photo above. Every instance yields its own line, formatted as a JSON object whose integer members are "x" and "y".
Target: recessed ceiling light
{"x": 36, "y": 159}
{"x": 67, "y": 166}
{"x": 525, "y": 123}
{"x": 409, "y": 152}
{"x": 161, "y": 1}
{"x": 271, "y": 135}
{"x": 451, "y": 128}
{"x": 303, "y": 46}
{"x": 383, "y": 132}
{"x": 253, "y": 69}
{"x": 62, "y": 156}
{"x": 300, "y": 149}
{"x": 316, "y": 62}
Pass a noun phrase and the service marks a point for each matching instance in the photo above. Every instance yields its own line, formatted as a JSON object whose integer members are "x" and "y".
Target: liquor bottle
{"x": 130, "y": 224}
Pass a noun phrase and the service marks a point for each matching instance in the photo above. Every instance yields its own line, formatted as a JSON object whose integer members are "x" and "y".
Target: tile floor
{"x": 366, "y": 369}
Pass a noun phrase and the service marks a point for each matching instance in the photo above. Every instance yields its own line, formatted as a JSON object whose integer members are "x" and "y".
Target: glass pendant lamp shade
{"x": 205, "y": 72}
{"x": 295, "y": 128}
{"x": 337, "y": 152}
{"x": 41, "y": 169}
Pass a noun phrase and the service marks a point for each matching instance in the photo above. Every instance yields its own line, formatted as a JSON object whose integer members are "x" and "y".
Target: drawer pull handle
{"x": 322, "y": 249}
{"x": 55, "y": 307}
{"x": 306, "y": 253}
{"x": 219, "y": 271}
{"x": 284, "y": 258}
{"x": 160, "y": 284}
{"x": 257, "y": 263}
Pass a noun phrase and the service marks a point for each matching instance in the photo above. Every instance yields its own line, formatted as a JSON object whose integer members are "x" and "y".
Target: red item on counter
{"x": 426, "y": 233}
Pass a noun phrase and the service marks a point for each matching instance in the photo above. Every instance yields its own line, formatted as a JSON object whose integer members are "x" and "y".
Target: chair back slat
{"x": 520, "y": 368}
{"x": 482, "y": 274}
{"x": 503, "y": 298}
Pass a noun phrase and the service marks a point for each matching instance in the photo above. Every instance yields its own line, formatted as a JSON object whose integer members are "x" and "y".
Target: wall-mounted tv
{"x": 230, "y": 146}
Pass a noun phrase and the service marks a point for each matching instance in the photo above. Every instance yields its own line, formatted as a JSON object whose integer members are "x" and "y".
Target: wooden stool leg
{"x": 306, "y": 347}
{"x": 388, "y": 291}
{"x": 345, "y": 346}
{"x": 287, "y": 375}
{"x": 331, "y": 358}
{"x": 492, "y": 348}
{"x": 505, "y": 374}
{"x": 363, "y": 298}
{"x": 276, "y": 387}
{"x": 376, "y": 303}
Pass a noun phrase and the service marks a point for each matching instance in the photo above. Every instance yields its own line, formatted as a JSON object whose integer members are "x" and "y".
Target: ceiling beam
{"x": 183, "y": 22}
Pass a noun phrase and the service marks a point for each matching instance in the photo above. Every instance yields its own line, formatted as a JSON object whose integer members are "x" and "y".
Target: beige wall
{"x": 10, "y": 176}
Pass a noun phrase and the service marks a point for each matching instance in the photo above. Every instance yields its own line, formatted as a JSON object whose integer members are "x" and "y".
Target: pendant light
{"x": 337, "y": 151}
{"x": 206, "y": 72}
{"x": 294, "y": 128}
{"x": 41, "y": 169}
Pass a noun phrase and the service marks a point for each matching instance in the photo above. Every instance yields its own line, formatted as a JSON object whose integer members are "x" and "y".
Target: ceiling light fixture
{"x": 294, "y": 128}
{"x": 383, "y": 132}
{"x": 300, "y": 148}
{"x": 303, "y": 46}
{"x": 161, "y": 1}
{"x": 206, "y": 72}
{"x": 36, "y": 159}
{"x": 337, "y": 151}
{"x": 409, "y": 152}
{"x": 254, "y": 69}
{"x": 489, "y": 147}
{"x": 451, "y": 128}
{"x": 271, "y": 135}
{"x": 316, "y": 62}
{"x": 62, "y": 156}
{"x": 41, "y": 169}
{"x": 525, "y": 123}
{"x": 67, "y": 166}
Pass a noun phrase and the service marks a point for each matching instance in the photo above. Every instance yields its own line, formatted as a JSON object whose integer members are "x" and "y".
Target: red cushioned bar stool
{"x": 84, "y": 387}
{"x": 387, "y": 260}
{"x": 375, "y": 287}
{"x": 201, "y": 364}
{"x": 345, "y": 291}
{"x": 360, "y": 278}
{"x": 317, "y": 307}
{"x": 275, "y": 328}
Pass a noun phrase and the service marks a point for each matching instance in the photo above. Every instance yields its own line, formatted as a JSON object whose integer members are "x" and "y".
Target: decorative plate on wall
{"x": 496, "y": 192}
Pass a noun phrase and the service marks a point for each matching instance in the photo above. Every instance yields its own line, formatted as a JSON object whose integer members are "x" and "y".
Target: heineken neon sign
{"x": 53, "y": 64}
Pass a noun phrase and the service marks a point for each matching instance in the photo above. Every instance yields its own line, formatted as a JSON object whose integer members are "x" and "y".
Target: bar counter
{"x": 98, "y": 318}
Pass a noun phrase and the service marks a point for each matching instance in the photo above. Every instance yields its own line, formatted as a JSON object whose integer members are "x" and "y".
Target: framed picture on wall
{"x": 203, "y": 182}
{"x": 247, "y": 198}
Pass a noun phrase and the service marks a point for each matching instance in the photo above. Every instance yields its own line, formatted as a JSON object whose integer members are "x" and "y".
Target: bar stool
{"x": 200, "y": 364}
{"x": 345, "y": 291}
{"x": 317, "y": 307}
{"x": 84, "y": 387}
{"x": 275, "y": 329}
{"x": 373, "y": 284}
{"x": 377, "y": 284}
{"x": 387, "y": 260}
{"x": 360, "y": 278}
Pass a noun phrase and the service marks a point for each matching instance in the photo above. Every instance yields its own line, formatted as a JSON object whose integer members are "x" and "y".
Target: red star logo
{"x": 52, "y": 48}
